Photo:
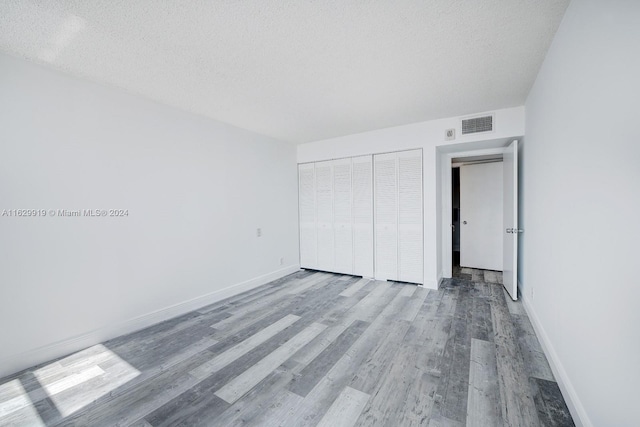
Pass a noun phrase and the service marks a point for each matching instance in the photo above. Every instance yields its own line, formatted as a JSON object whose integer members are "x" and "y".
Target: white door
{"x": 362, "y": 178}
{"x": 324, "y": 215}
{"x": 481, "y": 216}
{"x": 342, "y": 216}
{"x": 510, "y": 221}
{"x": 410, "y": 247}
{"x": 386, "y": 216}
{"x": 307, "y": 212}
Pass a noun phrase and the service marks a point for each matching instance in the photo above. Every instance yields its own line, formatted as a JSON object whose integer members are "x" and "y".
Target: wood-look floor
{"x": 309, "y": 349}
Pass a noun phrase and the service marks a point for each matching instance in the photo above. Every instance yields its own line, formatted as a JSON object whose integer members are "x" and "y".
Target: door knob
{"x": 509, "y": 230}
{"x": 464, "y": 222}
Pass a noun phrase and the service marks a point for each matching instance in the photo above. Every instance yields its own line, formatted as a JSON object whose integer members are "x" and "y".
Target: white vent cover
{"x": 477, "y": 124}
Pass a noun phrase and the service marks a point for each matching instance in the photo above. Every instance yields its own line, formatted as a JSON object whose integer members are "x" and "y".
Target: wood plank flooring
{"x": 310, "y": 349}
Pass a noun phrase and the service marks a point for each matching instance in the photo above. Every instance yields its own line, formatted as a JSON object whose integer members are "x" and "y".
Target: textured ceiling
{"x": 296, "y": 70}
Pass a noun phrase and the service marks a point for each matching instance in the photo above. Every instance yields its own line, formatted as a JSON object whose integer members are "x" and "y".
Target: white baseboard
{"x": 18, "y": 362}
{"x": 574, "y": 404}
{"x": 432, "y": 284}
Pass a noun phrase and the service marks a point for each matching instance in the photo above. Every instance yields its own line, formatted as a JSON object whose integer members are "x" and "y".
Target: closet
{"x": 307, "y": 215}
{"x": 362, "y": 185}
{"x": 398, "y": 216}
{"x": 363, "y": 216}
{"x": 324, "y": 216}
{"x": 336, "y": 215}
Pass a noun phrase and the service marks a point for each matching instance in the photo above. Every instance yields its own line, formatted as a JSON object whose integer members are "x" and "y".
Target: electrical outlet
{"x": 281, "y": 260}
{"x": 259, "y": 232}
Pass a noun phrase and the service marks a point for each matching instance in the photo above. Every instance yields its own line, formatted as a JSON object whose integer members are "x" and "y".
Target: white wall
{"x": 430, "y": 137}
{"x": 581, "y": 209}
{"x": 196, "y": 191}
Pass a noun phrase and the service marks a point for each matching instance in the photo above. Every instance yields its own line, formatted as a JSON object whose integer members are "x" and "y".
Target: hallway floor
{"x": 309, "y": 349}
{"x": 476, "y": 275}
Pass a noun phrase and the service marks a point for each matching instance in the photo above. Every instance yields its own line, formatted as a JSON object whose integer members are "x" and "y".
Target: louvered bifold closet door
{"x": 307, "y": 212}
{"x": 342, "y": 216}
{"x": 324, "y": 215}
{"x": 362, "y": 178}
{"x": 386, "y": 216}
{"x": 410, "y": 205}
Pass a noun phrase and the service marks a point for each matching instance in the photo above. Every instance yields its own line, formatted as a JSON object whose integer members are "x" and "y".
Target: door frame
{"x": 446, "y": 240}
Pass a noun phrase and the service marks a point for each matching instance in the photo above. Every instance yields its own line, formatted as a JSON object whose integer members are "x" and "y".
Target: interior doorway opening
{"x": 477, "y": 212}
{"x": 455, "y": 218}
{"x": 476, "y": 218}
{"x": 447, "y": 157}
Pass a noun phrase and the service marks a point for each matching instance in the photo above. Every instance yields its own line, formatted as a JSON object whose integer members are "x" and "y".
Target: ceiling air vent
{"x": 477, "y": 124}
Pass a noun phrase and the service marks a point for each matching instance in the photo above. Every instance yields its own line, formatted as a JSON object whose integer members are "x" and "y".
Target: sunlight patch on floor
{"x": 71, "y": 383}
{"x": 16, "y": 407}
{"x": 76, "y": 381}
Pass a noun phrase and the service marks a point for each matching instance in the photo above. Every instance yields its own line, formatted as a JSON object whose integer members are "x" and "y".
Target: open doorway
{"x": 476, "y": 217}
{"x": 455, "y": 218}
{"x": 508, "y": 149}
{"x": 447, "y": 157}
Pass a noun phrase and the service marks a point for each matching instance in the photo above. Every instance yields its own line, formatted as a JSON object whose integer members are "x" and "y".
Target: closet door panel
{"x": 324, "y": 215}
{"x": 386, "y": 216}
{"x": 342, "y": 216}
{"x": 307, "y": 215}
{"x": 410, "y": 205}
{"x": 362, "y": 215}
